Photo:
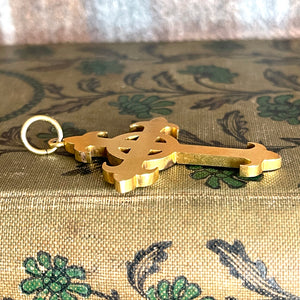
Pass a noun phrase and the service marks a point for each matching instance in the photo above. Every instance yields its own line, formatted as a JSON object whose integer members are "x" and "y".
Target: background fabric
{"x": 57, "y": 21}
{"x": 198, "y": 232}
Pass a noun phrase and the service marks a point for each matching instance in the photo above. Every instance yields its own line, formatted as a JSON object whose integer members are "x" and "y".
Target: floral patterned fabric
{"x": 199, "y": 232}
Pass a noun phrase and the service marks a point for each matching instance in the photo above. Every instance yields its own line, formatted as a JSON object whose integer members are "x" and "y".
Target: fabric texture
{"x": 198, "y": 232}
{"x": 57, "y": 21}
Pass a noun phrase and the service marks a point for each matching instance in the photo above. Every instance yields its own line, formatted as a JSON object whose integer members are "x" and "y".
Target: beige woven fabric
{"x": 205, "y": 227}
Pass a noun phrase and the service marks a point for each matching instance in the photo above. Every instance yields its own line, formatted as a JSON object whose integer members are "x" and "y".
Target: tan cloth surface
{"x": 206, "y": 228}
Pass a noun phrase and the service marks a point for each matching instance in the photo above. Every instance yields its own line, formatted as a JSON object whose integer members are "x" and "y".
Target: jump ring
{"x": 40, "y": 118}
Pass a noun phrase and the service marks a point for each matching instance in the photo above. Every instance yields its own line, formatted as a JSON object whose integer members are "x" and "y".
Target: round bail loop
{"x": 40, "y": 118}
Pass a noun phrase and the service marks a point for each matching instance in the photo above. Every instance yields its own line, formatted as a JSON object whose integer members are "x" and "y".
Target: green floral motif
{"x": 280, "y": 109}
{"x": 100, "y": 67}
{"x": 179, "y": 290}
{"x": 213, "y": 73}
{"x": 215, "y": 175}
{"x": 223, "y": 46}
{"x": 68, "y": 129}
{"x": 34, "y": 51}
{"x": 142, "y": 108}
{"x": 53, "y": 279}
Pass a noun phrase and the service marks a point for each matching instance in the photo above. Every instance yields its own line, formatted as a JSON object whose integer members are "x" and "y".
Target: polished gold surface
{"x": 135, "y": 158}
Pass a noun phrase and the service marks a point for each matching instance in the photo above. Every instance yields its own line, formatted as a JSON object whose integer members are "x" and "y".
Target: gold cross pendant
{"x": 135, "y": 158}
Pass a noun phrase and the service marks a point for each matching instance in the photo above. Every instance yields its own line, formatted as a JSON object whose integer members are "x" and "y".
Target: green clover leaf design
{"x": 280, "y": 109}
{"x": 68, "y": 128}
{"x": 53, "y": 279}
{"x": 223, "y": 46}
{"x": 34, "y": 51}
{"x": 213, "y": 73}
{"x": 215, "y": 175}
{"x": 100, "y": 67}
{"x": 179, "y": 290}
{"x": 142, "y": 107}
